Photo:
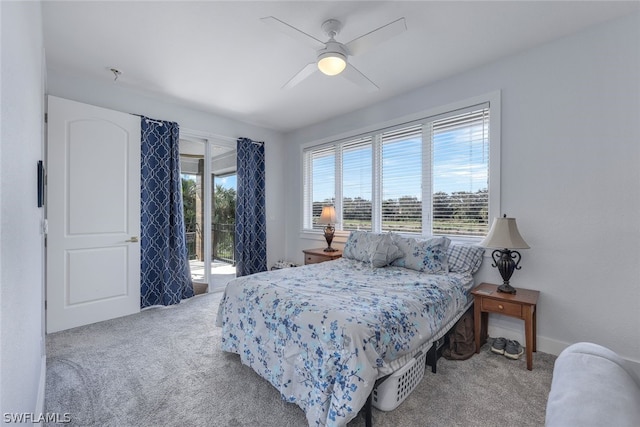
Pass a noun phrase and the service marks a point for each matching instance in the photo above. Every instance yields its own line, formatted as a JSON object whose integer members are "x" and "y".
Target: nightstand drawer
{"x": 314, "y": 259}
{"x": 507, "y": 308}
{"x": 315, "y": 256}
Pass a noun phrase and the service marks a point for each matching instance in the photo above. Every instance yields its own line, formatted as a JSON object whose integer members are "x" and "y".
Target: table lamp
{"x": 328, "y": 217}
{"x": 504, "y": 236}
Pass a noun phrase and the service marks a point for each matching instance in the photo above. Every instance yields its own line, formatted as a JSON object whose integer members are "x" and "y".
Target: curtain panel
{"x": 251, "y": 233}
{"x": 165, "y": 274}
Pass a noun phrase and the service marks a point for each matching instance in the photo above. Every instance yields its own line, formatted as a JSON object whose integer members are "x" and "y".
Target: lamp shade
{"x": 328, "y": 215}
{"x": 504, "y": 234}
{"x": 332, "y": 63}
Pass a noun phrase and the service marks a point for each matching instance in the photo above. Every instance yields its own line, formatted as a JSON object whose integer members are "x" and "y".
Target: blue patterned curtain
{"x": 165, "y": 275}
{"x": 251, "y": 233}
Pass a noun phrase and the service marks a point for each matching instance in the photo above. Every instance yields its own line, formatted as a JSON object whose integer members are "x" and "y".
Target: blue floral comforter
{"x": 323, "y": 333}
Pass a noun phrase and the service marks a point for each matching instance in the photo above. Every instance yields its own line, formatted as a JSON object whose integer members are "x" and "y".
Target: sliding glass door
{"x": 224, "y": 217}
{"x": 212, "y": 264}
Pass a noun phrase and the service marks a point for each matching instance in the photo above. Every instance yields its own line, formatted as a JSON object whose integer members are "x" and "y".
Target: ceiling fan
{"x": 333, "y": 55}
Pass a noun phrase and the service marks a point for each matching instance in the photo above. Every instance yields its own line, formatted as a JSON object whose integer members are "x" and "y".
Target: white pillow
{"x": 357, "y": 245}
{"x": 382, "y": 251}
{"x": 425, "y": 255}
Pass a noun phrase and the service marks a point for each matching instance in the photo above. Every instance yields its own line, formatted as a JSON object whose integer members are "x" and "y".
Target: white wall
{"x": 21, "y": 243}
{"x": 569, "y": 174}
{"x": 118, "y": 97}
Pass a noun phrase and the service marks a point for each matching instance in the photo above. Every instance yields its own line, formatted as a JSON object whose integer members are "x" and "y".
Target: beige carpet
{"x": 164, "y": 367}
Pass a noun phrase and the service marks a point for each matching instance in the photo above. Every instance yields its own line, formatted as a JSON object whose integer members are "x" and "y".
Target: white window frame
{"x": 492, "y": 98}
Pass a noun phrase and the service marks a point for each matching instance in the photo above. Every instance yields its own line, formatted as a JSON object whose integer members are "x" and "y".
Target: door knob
{"x": 134, "y": 239}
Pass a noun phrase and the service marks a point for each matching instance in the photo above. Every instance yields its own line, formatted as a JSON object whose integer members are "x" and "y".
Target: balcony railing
{"x": 222, "y": 246}
{"x": 191, "y": 244}
{"x": 224, "y": 242}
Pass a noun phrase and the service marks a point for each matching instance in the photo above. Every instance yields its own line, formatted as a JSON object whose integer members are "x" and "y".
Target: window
{"x": 426, "y": 177}
{"x": 356, "y": 185}
{"x": 401, "y": 180}
{"x": 320, "y": 178}
{"x": 460, "y": 174}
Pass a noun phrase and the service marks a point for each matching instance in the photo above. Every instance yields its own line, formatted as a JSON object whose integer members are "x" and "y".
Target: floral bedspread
{"x": 323, "y": 333}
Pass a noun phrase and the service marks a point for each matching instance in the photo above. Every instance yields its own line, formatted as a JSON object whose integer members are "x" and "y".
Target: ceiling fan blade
{"x": 355, "y": 76}
{"x": 293, "y": 32}
{"x": 377, "y": 36}
{"x": 308, "y": 69}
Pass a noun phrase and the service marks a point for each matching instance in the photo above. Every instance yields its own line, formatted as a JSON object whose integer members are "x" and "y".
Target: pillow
{"x": 429, "y": 256}
{"x": 382, "y": 251}
{"x": 464, "y": 258}
{"x": 357, "y": 245}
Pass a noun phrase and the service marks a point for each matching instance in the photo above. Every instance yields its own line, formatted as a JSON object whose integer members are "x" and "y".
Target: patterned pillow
{"x": 464, "y": 258}
{"x": 428, "y": 255}
{"x": 357, "y": 245}
{"x": 382, "y": 251}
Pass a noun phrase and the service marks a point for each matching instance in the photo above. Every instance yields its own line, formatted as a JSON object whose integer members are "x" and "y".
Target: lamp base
{"x": 504, "y": 260}
{"x": 328, "y": 235}
{"x": 506, "y": 289}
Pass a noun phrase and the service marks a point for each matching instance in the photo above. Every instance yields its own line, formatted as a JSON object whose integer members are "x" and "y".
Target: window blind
{"x": 401, "y": 179}
{"x": 357, "y": 176}
{"x": 460, "y": 174}
{"x": 321, "y": 171}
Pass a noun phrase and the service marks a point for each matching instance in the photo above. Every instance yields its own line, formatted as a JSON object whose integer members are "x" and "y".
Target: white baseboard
{"x": 543, "y": 344}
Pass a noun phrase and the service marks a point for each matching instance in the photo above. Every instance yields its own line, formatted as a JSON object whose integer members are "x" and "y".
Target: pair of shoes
{"x": 509, "y": 348}
{"x": 513, "y": 350}
{"x": 498, "y": 346}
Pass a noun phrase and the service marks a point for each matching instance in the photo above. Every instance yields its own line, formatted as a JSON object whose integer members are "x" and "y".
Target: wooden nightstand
{"x": 522, "y": 304}
{"x": 314, "y": 256}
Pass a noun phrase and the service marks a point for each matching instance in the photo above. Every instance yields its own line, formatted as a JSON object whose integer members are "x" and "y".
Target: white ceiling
{"x": 219, "y": 57}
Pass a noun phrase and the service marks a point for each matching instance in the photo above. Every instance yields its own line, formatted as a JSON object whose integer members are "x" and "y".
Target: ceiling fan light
{"x": 332, "y": 63}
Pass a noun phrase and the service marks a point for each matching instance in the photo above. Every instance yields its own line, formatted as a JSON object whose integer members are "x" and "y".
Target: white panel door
{"x": 93, "y": 211}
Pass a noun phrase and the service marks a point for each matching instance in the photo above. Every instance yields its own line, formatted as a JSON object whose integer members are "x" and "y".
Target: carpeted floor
{"x": 164, "y": 367}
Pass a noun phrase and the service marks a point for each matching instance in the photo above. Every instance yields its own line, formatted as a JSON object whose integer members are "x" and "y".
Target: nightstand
{"x": 314, "y": 256}
{"x": 522, "y": 304}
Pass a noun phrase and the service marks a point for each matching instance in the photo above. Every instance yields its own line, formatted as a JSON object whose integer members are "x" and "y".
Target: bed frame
{"x": 433, "y": 354}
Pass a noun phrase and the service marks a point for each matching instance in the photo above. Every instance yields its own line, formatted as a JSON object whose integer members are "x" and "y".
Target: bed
{"x": 322, "y": 334}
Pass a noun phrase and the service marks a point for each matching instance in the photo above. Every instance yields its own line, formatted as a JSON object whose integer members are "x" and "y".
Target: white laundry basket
{"x": 392, "y": 392}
